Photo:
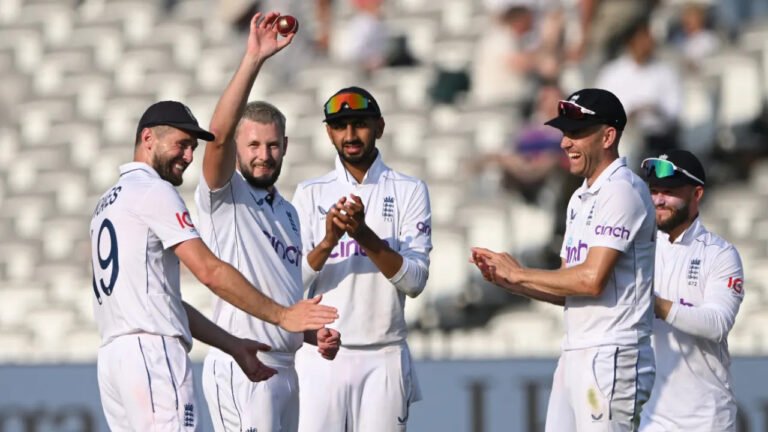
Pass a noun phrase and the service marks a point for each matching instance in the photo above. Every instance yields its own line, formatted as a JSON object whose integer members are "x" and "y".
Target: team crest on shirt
{"x": 693, "y": 272}
{"x": 189, "y": 415}
{"x": 388, "y": 210}
{"x": 293, "y": 224}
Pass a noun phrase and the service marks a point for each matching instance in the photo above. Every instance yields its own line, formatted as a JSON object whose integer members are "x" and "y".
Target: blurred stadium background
{"x": 75, "y": 75}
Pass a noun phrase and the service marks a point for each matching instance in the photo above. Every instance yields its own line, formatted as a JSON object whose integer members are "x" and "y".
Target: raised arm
{"x": 220, "y": 155}
{"x": 226, "y": 282}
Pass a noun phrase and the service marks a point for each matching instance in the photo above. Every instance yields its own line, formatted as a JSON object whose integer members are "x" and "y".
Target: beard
{"x": 164, "y": 169}
{"x": 261, "y": 182}
{"x": 677, "y": 218}
{"x": 367, "y": 155}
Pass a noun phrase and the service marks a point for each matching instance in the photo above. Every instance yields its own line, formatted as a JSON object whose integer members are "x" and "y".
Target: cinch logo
{"x": 736, "y": 284}
{"x": 185, "y": 220}
{"x": 573, "y": 253}
{"x": 347, "y": 249}
{"x": 617, "y": 231}
{"x": 287, "y": 253}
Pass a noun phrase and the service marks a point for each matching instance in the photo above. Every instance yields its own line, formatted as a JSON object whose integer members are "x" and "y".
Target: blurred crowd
{"x": 533, "y": 53}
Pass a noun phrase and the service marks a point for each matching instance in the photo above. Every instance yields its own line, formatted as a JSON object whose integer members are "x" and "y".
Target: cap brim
{"x": 566, "y": 124}
{"x": 197, "y": 131}
{"x": 351, "y": 114}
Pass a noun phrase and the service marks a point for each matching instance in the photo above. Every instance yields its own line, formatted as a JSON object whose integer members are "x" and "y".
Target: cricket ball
{"x": 287, "y": 24}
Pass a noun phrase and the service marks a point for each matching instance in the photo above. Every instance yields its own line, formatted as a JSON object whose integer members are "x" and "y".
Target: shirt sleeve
{"x": 207, "y": 200}
{"x": 164, "y": 211}
{"x": 302, "y": 201}
{"x": 415, "y": 243}
{"x": 619, "y": 215}
{"x": 723, "y": 294}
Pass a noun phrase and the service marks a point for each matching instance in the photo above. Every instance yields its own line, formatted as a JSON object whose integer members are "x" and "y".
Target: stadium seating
{"x": 78, "y": 74}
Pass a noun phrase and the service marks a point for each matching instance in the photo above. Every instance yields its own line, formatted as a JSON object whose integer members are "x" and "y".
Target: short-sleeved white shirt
{"x": 693, "y": 389}
{"x": 136, "y": 274}
{"x": 397, "y": 209}
{"x": 615, "y": 212}
{"x": 260, "y": 240}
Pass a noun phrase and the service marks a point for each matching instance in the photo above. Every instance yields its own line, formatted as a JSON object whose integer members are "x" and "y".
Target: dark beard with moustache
{"x": 364, "y": 157}
{"x": 165, "y": 170}
{"x": 679, "y": 217}
{"x": 260, "y": 182}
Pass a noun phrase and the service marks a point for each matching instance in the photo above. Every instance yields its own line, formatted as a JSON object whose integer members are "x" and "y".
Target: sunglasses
{"x": 664, "y": 168}
{"x": 352, "y": 101}
{"x": 573, "y": 111}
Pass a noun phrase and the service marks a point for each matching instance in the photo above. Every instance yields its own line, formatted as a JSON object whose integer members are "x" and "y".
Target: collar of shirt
{"x": 262, "y": 193}
{"x": 371, "y": 176}
{"x": 691, "y": 233}
{"x": 602, "y": 178}
{"x": 141, "y": 166}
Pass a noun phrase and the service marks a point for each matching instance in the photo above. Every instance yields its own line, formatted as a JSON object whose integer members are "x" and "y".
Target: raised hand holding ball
{"x": 287, "y": 24}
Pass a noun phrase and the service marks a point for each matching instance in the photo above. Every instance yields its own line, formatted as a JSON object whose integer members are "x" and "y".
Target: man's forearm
{"x": 233, "y": 288}
{"x": 319, "y": 255}
{"x": 532, "y": 293}
{"x": 378, "y": 251}
{"x": 207, "y": 331}
{"x": 564, "y": 282}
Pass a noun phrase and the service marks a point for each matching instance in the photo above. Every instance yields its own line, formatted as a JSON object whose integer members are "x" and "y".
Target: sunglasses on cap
{"x": 352, "y": 101}
{"x": 664, "y": 168}
{"x": 574, "y": 111}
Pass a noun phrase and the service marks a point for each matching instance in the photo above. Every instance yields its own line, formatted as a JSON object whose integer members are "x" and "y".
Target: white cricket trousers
{"x": 362, "y": 390}
{"x": 237, "y": 404}
{"x": 146, "y": 384}
{"x": 601, "y": 389}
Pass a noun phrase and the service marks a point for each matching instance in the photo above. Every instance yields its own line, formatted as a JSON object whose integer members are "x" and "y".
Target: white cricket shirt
{"x": 263, "y": 242}
{"x": 702, "y": 275}
{"x": 397, "y": 209}
{"x": 135, "y": 273}
{"x": 615, "y": 212}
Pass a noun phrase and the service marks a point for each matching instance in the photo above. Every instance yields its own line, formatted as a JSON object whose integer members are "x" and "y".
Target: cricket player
{"x": 140, "y": 229}
{"x": 699, "y": 287}
{"x": 606, "y": 369}
{"x": 248, "y": 224}
{"x": 367, "y": 237}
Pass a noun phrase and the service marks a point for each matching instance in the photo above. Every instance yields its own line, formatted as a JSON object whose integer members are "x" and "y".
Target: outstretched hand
{"x": 262, "y": 39}
{"x": 245, "y": 355}
{"x": 308, "y": 315}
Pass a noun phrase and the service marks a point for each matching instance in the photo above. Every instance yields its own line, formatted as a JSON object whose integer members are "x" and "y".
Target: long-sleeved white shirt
{"x": 397, "y": 209}
{"x": 702, "y": 275}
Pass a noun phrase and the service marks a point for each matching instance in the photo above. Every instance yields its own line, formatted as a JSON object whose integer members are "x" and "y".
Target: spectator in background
{"x": 534, "y": 158}
{"x": 504, "y": 58}
{"x": 696, "y": 42}
{"x": 650, "y": 91}
{"x": 602, "y": 22}
{"x": 366, "y": 36}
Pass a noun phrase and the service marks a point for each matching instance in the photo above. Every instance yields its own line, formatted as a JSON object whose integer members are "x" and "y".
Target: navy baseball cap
{"x": 351, "y": 102}
{"x": 589, "y": 107}
{"x": 673, "y": 169}
{"x": 176, "y": 114}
